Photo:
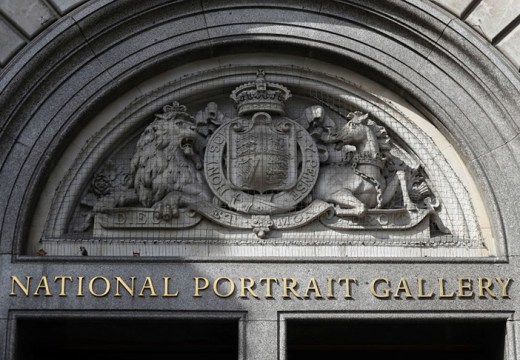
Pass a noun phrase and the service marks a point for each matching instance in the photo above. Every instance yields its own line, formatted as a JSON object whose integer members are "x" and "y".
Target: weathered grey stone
{"x": 510, "y": 46}
{"x": 97, "y": 16}
{"x": 503, "y": 173}
{"x": 5, "y": 146}
{"x": 5, "y": 266}
{"x": 30, "y": 15}
{"x": 39, "y": 134}
{"x": 513, "y": 345}
{"x": 474, "y": 104}
{"x": 10, "y": 168}
{"x": 220, "y": 5}
{"x": 499, "y": 79}
{"x": 44, "y": 58}
{"x": 49, "y": 119}
{"x": 64, "y": 6}
{"x": 157, "y": 40}
{"x": 259, "y": 343}
{"x": 452, "y": 117}
{"x": 491, "y": 16}
{"x": 358, "y": 24}
{"x": 456, "y": 7}
{"x": 426, "y": 16}
{"x": 354, "y": 21}
{"x": 4, "y": 345}
{"x": 508, "y": 160}
{"x": 22, "y": 175}
{"x": 479, "y": 171}
{"x": 10, "y": 42}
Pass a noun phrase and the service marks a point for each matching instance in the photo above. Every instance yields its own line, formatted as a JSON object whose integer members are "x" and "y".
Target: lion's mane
{"x": 159, "y": 166}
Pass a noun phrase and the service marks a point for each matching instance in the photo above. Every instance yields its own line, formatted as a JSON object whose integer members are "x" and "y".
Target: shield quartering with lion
{"x": 262, "y": 156}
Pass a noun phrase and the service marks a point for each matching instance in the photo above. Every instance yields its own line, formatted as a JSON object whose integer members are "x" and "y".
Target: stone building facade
{"x": 259, "y": 180}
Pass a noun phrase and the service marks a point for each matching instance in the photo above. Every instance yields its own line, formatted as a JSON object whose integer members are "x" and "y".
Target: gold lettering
{"x": 80, "y": 286}
{"x": 63, "y": 280}
{"x": 167, "y": 287}
{"x": 313, "y": 286}
{"x": 91, "y": 286}
{"x": 347, "y": 281}
{"x": 465, "y": 288}
{"x": 403, "y": 287}
{"x": 16, "y": 282}
{"x": 373, "y": 288}
{"x": 248, "y": 287}
{"x": 504, "y": 286}
{"x": 330, "y": 288}
{"x": 268, "y": 284}
{"x": 43, "y": 284}
{"x": 485, "y": 284}
{"x": 148, "y": 285}
{"x": 217, "y": 283}
{"x": 442, "y": 291}
{"x": 198, "y": 287}
{"x": 421, "y": 294}
{"x": 290, "y": 287}
{"x": 130, "y": 289}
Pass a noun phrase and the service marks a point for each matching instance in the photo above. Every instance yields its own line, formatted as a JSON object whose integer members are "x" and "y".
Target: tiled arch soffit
{"x": 84, "y": 61}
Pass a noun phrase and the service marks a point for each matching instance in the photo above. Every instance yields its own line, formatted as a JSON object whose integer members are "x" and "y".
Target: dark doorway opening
{"x": 403, "y": 339}
{"x": 128, "y": 339}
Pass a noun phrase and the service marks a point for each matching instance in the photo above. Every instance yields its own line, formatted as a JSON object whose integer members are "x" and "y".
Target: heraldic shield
{"x": 262, "y": 154}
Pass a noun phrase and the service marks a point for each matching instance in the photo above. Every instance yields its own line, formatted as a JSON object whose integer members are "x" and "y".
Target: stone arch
{"x": 87, "y": 59}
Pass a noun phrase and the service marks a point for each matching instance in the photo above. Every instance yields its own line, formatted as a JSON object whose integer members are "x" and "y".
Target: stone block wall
{"x": 22, "y": 20}
{"x": 496, "y": 20}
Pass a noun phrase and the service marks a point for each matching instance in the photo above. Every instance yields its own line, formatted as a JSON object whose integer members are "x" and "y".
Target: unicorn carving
{"x": 356, "y": 182}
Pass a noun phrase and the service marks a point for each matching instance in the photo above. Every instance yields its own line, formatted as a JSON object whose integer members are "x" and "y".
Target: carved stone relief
{"x": 262, "y": 166}
{"x": 263, "y": 171}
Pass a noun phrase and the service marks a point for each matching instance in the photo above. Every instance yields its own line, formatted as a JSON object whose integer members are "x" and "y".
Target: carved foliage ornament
{"x": 264, "y": 171}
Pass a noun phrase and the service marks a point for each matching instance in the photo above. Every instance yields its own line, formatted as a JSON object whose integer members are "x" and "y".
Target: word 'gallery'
{"x": 260, "y": 181}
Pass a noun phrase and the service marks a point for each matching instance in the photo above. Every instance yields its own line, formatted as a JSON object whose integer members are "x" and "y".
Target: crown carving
{"x": 378, "y": 160}
{"x": 260, "y": 96}
{"x": 175, "y": 111}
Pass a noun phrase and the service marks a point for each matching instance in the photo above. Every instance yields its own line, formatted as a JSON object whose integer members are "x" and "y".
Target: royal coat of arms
{"x": 264, "y": 171}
